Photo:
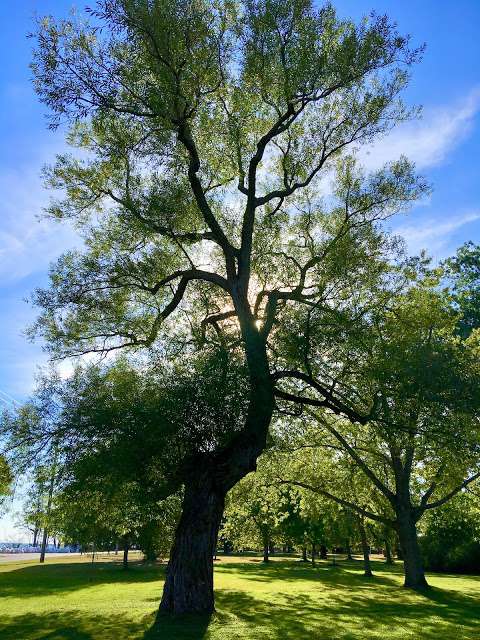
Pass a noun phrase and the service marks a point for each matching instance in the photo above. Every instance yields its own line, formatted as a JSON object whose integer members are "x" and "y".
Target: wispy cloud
{"x": 427, "y": 141}
{"x": 435, "y": 235}
{"x": 27, "y": 245}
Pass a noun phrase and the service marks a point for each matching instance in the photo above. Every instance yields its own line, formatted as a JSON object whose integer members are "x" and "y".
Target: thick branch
{"x": 344, "y": 503}
{"x": 185, "y": 137}
{"x": 438, "y": 503}
{"x": 334, "y": 404}
{"x": 360, "y": 462}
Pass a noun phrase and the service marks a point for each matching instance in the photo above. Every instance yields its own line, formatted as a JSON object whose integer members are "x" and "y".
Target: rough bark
{"x": 412, "y": 557}
{"x": 189, "y": 580}
{"x": 323, "y": 552}
{"x": 304, "y": 554}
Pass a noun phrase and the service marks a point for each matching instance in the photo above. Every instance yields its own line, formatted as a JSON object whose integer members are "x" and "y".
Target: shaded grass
{"x": 71, "y": 599}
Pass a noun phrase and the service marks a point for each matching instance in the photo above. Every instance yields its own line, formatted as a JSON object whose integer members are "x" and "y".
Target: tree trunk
{"x": 304, "y": 554}
{"x": 398, "y": 548}
{"x": 266, "y": 553}
{"x": 189, "y": 579}
{"x": 314, "y": 551}
{"x": 323, "y": 552}
{"x": 49, "y": 507}
{"x": 388, "y": 552}
{"x": 150, "y": 555}
{"x": 412, "y": 557}
{"x": 349, "y": 550}
{"x": 44, "y": 545}
{"x": 126, "y": 547}
{"x": 227, "y": 549}
{"x": 365, "y": 549}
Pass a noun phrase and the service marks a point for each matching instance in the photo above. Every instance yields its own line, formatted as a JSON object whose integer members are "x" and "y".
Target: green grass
{"x": 72, "y": 599}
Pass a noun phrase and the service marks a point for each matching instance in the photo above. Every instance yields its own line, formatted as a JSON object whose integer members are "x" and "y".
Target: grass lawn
{"x": 70, "y": 598}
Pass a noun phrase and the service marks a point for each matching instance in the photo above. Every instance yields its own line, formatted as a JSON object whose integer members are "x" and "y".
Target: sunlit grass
{"x": 70, "y": 598}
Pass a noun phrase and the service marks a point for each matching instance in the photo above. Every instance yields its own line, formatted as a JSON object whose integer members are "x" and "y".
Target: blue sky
{"x": 445, "y": 144}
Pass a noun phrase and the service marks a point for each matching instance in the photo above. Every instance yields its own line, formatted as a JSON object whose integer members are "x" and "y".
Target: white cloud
{"x": 434, "y": 235}
{"x": 27, "y": 245}
{"x": 428, "y": 141}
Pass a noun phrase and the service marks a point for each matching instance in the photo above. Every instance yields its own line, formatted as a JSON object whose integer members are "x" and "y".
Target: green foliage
{"x": 398, "y": 396}
{"x": 451, "y": 536}
{"x": 6, "y": 477}
{"x": 463, "y": 274}
{"x": 201, "y": 130}
{"x": 123, "y": 438}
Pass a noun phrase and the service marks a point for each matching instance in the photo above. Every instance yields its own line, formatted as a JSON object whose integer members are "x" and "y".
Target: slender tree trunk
{"x": 189, "y": 580}
{"x": 36, "y": 533}
{"x": 388, "y": 552}
{"x": 266, "y": 552}
{"x": 323, "y": 552}
{"x": 304, "y": 554}
{"x": 126, "y": 547}
{"x": 314, "y": 552}
{"x": 49, "y": 508}
{"x": 412, "y": 557}
{"x": 349, "y": 550}
{"x": 365, "y": 549}
{"x": 43, "y": 548}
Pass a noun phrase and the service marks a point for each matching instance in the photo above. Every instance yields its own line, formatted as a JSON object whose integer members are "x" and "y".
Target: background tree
{"x": 6, "y": 479}
{"x": 202, "y": 132}
{"x": 253, "y": 514}
{"x": 126, "y": 433}
{"x": 451, "y": 536}
{"x": 409, "y": 385}
{"x": 463, "y": 275}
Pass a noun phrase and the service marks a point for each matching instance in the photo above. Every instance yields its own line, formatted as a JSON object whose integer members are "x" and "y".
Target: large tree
{"x": 204, "y": 132}
{"x": 411, "y": 418}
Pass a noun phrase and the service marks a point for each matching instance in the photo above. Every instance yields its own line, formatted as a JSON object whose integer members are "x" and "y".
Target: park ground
{"x": 70, "y": 598}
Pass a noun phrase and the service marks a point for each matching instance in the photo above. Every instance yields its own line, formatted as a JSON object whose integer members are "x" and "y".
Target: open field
{"x": 70, "y": 598}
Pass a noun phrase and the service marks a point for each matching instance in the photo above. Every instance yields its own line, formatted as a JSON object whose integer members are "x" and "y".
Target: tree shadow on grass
{"x": 326, "y": 602}
{"x": 299, "y": 616}
{"x": 37, "y": 580}
{"x": 69, "y": 625}
{"x": 348, "y": 575}
{"x": 186, "y": 627}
